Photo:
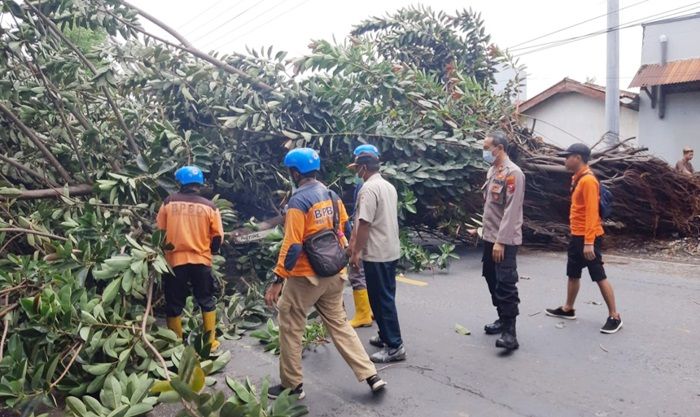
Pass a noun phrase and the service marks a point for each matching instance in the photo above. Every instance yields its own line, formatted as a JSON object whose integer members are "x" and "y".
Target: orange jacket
{"x": 310, "y": 210}
{"x": 190, "y": 223}
{"x": 584, "y": 216}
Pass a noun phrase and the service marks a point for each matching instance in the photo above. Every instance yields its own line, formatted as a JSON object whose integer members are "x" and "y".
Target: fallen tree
{"x": 91, "y": 134}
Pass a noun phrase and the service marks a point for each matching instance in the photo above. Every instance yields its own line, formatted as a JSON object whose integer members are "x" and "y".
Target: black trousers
{"x": 196, "y": 277}
{"x": 381, "y": 289}
{"x": 502, "y": 279}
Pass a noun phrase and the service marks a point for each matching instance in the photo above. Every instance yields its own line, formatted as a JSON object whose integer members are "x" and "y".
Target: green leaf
{"x": 138, "y": 409}
{"x": 183, "y": 389}
{"x": 462, "y": 330}
{"x": 76, "y": 406}
{"x": 111, "y": 394}
{"x": 119, "y": 262}
{"x": 111, "y": 291}
{"x": 97, "y": 369}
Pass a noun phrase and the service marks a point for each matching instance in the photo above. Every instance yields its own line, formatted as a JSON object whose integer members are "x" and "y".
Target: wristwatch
{"x": 279, "y": 280}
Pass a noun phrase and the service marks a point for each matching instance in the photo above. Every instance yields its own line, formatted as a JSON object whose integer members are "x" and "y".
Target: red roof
{"x": 567, "y": 85}
{"x": 674, "y": 72}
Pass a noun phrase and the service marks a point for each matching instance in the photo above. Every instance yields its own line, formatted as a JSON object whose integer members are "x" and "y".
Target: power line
{"x": 229, "y": 20}
{"x": 664, "y": 14}
{"x": 218, "y": 17}
{"x": 256, "y": 17}
{"x": 265, "y": 23}
{"x": 553, "y": 44}
{"x": 573, "y": 26}
{"x": 200, "y": 14}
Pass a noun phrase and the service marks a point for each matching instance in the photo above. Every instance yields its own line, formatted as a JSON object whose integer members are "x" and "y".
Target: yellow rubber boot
{"x": 209, "y": 318}
{"x": 175, "y": 324}
{"x": 363, "y": 312}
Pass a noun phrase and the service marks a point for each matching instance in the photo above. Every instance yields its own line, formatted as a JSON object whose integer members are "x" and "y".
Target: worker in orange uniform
{"x": 193, "y": 231}
{"x": 303, "y": 283}
{"x": 585, "y": 246}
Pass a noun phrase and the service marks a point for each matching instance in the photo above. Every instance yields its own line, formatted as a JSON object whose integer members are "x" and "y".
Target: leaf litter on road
{"x": 459, "y": 329}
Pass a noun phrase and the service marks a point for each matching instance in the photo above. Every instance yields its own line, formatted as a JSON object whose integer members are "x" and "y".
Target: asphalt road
{"x": 650, "y": 368}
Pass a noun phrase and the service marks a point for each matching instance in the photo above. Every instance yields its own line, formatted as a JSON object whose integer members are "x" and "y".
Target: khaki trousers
{"x": 326, "y": 294}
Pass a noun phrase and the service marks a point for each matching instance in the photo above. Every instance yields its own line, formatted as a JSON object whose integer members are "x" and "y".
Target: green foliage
{"x": 116, "y": 116}
{"x": 315, "y": 334}
{"x": 122, "y": 395}
{"x": 187, "y": 388}
{"x": 415, "y": 257}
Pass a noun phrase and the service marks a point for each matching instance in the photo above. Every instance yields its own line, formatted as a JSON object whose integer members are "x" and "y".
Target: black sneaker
{"x": 612, "y": 325}
{"x": 388, "y": 355}
{"x": 560, "y": 313}
{"x": 376, "y": 383}
{"x": 277, "y": 390}
{"x": 376, "y": 341}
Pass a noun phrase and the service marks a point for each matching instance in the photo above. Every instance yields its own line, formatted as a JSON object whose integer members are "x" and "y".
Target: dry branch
{"x": 73, "y": 190}
{"x": 120, "y": 118}
{"x": 29, "y": 133}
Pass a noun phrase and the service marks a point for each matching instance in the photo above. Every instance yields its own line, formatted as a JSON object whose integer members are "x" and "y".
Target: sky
{"x": 290, "y": 25}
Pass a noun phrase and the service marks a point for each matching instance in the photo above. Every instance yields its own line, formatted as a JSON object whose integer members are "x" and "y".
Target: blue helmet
{"x": 366, "y": 149}
{"x": 189, "y": 175}
{"x": 304, "y": 160}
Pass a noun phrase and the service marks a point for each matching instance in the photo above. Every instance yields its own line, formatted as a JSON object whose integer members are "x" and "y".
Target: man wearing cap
{"x": 684, "y": 166}
{"x": 377, "y": 248}
{"x": 358, "y": 282}
{"x": 194, "y": 231}
{"x": 504, "y": 192}
{"x": 311, "y": 209}
{"x": 586, "y": 238}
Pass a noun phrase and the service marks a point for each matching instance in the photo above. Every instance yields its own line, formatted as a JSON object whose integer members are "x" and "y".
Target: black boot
{"x": 494, "y": 328}
{"x": 508, "y": 339}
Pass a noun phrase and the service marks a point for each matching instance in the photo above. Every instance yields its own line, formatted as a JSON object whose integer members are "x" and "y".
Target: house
{"x": 669, "y": 79}
{"x": 571, "y": 111}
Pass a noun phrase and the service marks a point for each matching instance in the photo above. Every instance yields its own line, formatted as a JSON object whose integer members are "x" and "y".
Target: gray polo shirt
{"x": 378, "y": 205}
{"x": 504, "y": 192}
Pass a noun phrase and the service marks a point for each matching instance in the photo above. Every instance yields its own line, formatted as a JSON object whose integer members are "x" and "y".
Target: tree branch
{"x": 28, "y": 170}
{"x": 191, "y": 50}
{"x": 77, "y": 349}
{"x": 160, "y": 24}
{"x": 144, "y": 322}
{"x": 120, "y": 118}
{"x": 31, "y": 232}
{"x": 10, "y": 116}
{"x": 73, "y": 190}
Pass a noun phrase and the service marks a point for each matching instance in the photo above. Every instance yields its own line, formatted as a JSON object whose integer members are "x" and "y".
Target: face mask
{"x": 488, "y": 157}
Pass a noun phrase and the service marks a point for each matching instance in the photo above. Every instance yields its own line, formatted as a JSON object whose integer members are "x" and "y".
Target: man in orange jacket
{"x": 586, "y": 238}
{"x": 193, "y": 229}
{"x": 298, "y": 288}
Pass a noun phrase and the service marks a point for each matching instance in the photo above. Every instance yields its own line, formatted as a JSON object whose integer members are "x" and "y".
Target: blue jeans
{"x": 381, "y": 288}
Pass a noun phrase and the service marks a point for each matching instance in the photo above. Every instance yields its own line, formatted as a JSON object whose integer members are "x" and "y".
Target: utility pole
{"x": 612, "y": 84}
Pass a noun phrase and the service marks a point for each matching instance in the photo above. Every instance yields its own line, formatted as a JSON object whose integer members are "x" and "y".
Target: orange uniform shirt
{"x": 310, "y": 210}
{"x": 190, "y": 223}
{"x": 584, "y": 216}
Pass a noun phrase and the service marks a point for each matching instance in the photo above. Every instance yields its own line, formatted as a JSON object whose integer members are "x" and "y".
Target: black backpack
{"x": 324, "y": 250}
{"x": 605, "y": 208}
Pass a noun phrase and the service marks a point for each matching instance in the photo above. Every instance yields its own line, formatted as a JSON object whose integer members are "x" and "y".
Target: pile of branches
{"x": 650, "y": 197}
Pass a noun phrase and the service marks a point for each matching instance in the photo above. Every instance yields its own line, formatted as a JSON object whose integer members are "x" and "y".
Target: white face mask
{"x": 489, "y": 157}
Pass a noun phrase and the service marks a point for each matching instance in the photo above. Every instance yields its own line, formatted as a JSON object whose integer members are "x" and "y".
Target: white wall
{"x": 571, "y": 117}
{"x": 682, "y": 38}
{"x": 680, "y": 127}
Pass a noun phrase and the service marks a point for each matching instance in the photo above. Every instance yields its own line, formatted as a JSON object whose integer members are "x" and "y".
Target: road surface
{"x": 563, "y": 368}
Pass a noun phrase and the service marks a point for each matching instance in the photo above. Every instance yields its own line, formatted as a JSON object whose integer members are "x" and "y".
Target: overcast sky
{"x": 231, "y": 25}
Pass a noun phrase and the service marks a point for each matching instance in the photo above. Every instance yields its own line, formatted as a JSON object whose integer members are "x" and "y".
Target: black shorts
{"x": 196, "y": 277}
{"x": 577, "y": 262}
